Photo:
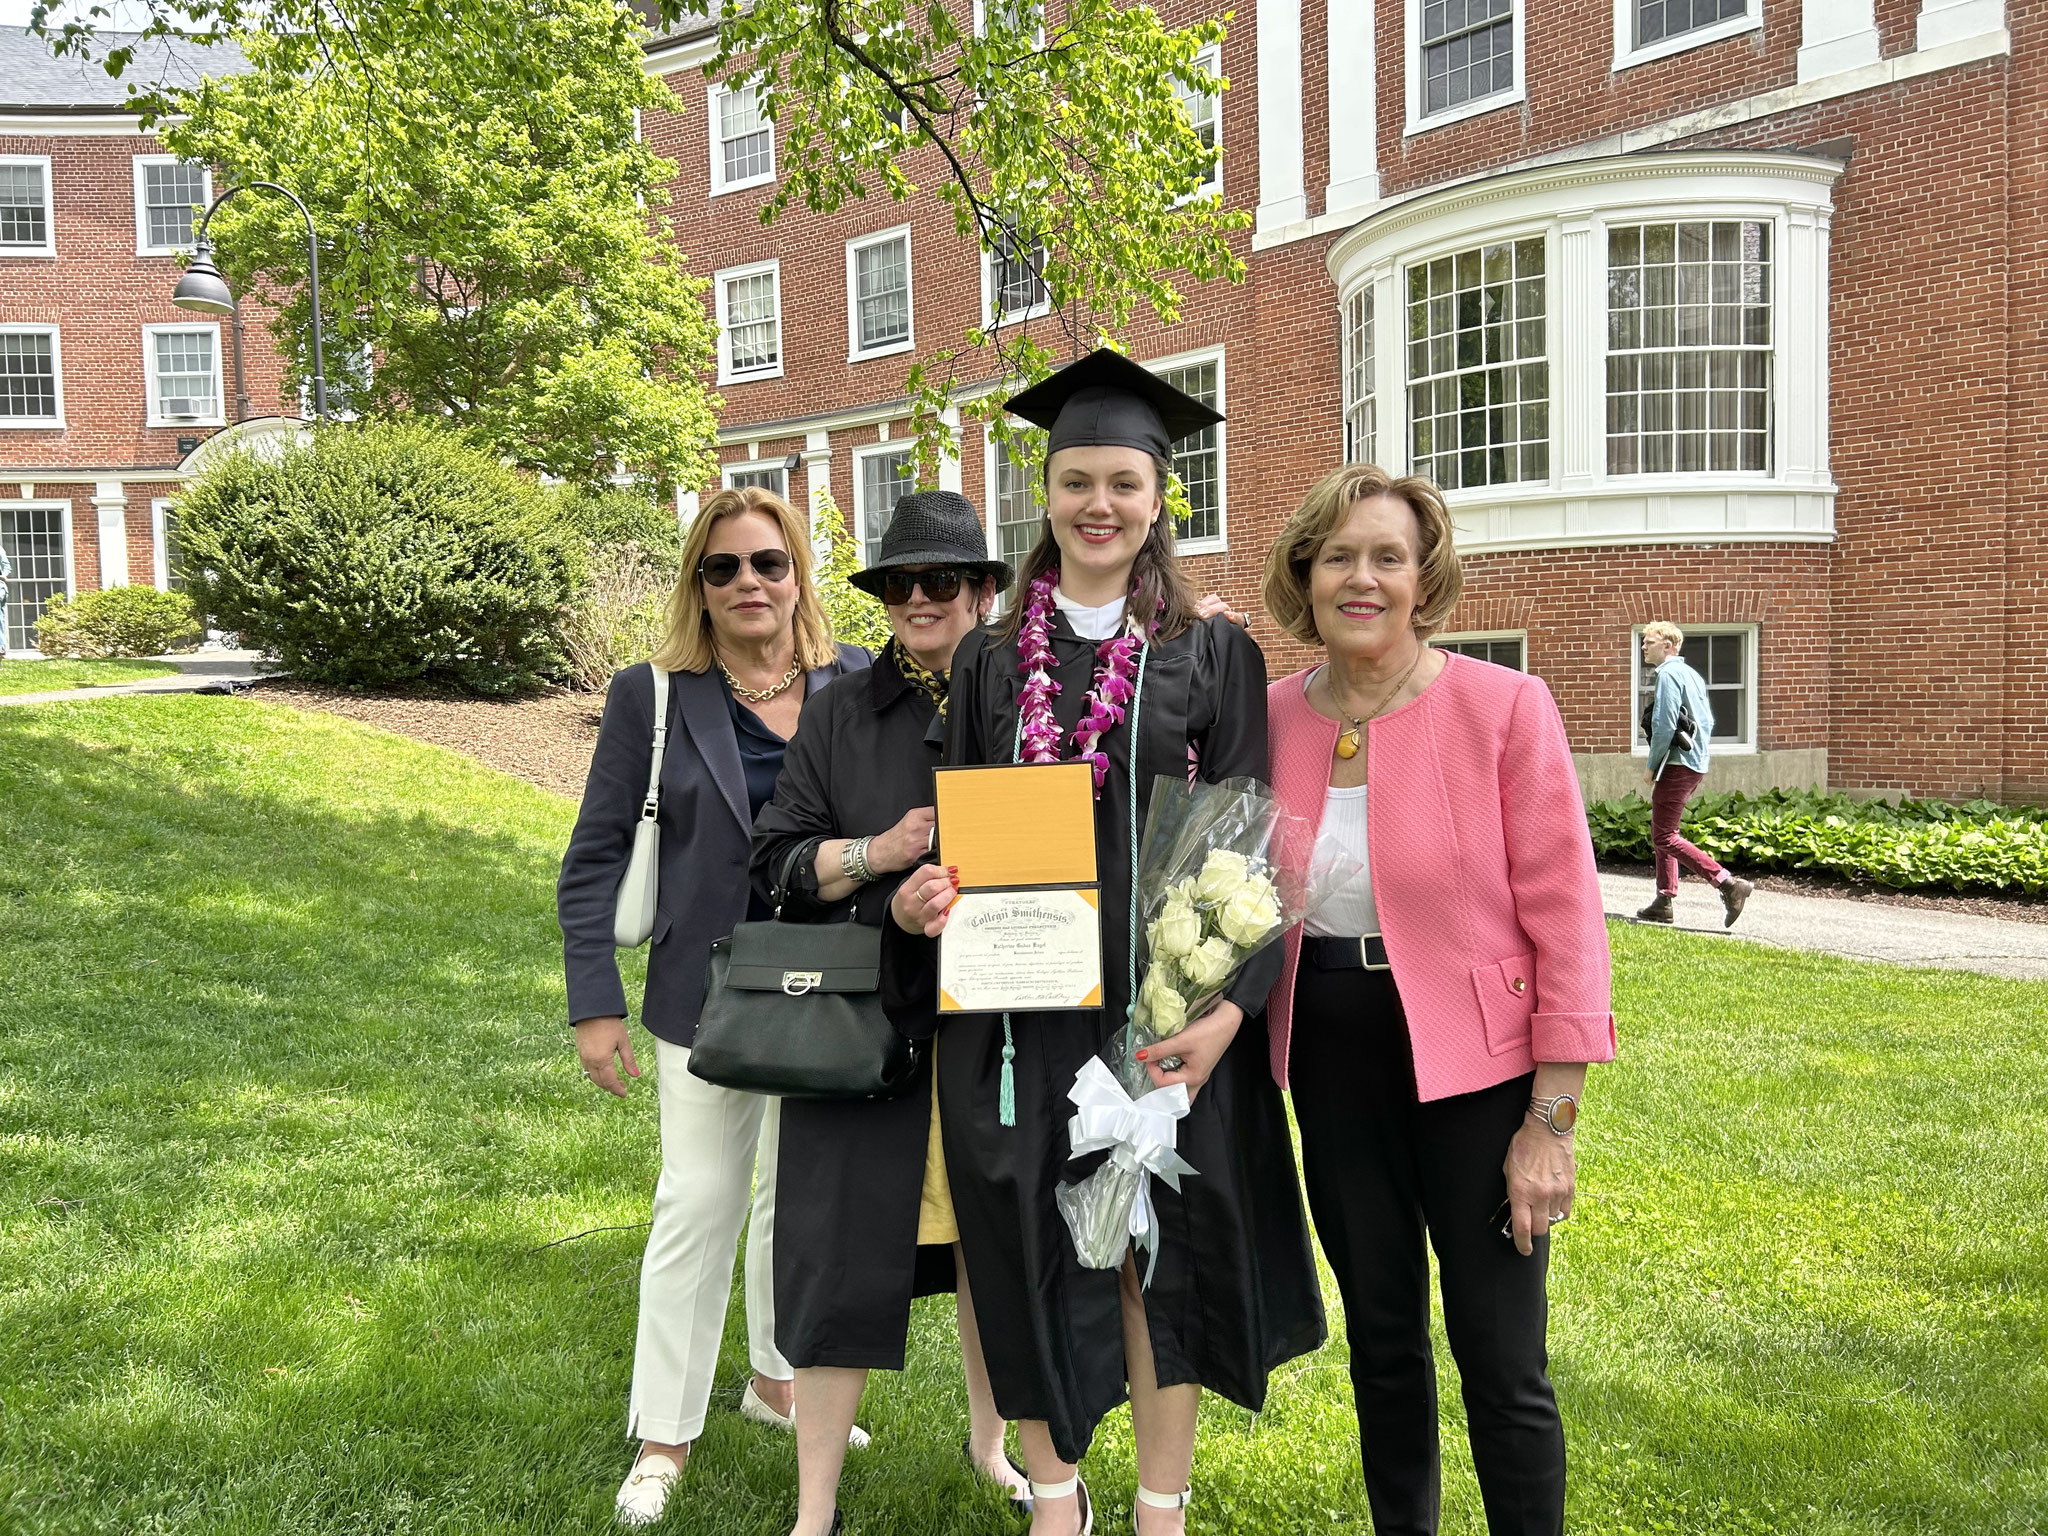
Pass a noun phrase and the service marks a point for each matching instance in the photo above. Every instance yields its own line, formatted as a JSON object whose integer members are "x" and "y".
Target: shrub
{"x": 379, "y": 555}
{"x": 597, "y": 524}
{"x": 618, "y": 616}
{"x": 857, "y": 619}
{"x": 118, "y": 621}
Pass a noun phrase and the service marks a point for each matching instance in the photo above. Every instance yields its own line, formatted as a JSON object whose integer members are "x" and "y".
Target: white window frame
{"x": 1747, "y": 746}
{"x": 1366, "y": 404}
{"x": 155, "y": 417}
{"x": 728, "y": 472}
{"x": 142, "y": 242}
{"x": 1627, "y": 55}
{"x": 1211, "y": 59}
{"x": 860, "y": 507}
{"x": 1220, "y": 542}
{"x": 855, "y": 353}
{"x": 40, "y": 423}
{"x": 1473, "y": 636}
{"x": 63, "y": 509}
{"x": 1417, "y": 121}
{"x": 48, "y": 249}
{"x": 988, "y": 289}
{"x": 160, "y": 558}
{"x": 992, "y": 514}
{"x": 714, "y": 119}
{"x": 719, "y": 281}
{"x": 981, "y": 20}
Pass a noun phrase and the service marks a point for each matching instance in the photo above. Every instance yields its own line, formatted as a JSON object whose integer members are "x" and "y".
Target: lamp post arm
{"x": 313, "y": 270}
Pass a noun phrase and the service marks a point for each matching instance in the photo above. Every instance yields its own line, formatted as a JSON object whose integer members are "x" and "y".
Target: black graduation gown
{"x": 847, "y": 1263}
{"x": 1235, "y": 1292}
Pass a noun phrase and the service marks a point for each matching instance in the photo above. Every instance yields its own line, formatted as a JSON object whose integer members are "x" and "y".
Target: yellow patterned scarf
{"x": 932, "y": 683}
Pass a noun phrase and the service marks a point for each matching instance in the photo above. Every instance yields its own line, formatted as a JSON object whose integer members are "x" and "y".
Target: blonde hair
{"x": 687, "y": 645}
{"x": 1286, "y": 584}
{"x": 1664, "y": 629}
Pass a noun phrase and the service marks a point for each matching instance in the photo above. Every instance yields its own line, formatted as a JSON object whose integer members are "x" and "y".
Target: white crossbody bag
{"x": 633, "y": 919}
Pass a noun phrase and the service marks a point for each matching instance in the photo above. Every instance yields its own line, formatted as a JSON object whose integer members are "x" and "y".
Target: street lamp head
{"x": 201, "y": 287}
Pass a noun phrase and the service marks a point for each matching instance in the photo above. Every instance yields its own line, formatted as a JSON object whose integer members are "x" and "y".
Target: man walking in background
{"x": 1679, "y": 721}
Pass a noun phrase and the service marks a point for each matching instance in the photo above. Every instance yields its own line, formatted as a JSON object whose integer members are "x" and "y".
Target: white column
{"x": 1389, "y": 371}
{"x": 1578, "y": 389}
{"x": 1800, "y": 302}
{"x": 1836, "y": 36}
{"x": 1354, "y": 152}
{"x": 1282, "y": 198}
{"x": 1955, "y": 21}
{"x": 111, "y": 503}
{"x": 817, "y": 473}
{"x": 949, "y": 461}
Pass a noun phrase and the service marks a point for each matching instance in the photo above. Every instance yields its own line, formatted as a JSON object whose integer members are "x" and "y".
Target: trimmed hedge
{"x": 1907, "y": 844}
{"x": 118, "y": 621}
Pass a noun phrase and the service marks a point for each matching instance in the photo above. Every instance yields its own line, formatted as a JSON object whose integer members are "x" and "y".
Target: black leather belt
{"x": 1366, "y": 954}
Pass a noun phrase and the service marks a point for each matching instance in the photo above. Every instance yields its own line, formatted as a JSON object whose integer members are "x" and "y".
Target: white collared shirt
{"x": 1091, "y": 623}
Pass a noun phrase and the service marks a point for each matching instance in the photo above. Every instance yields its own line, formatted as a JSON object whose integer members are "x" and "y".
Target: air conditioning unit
{"x": 185, "y": 408}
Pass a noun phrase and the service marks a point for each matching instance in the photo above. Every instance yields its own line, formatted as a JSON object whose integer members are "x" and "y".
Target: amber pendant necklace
{"x": 1352, "y": 736}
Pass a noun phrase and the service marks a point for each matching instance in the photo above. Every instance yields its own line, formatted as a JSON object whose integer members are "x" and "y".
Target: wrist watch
{"x": 1559, "y": 1115}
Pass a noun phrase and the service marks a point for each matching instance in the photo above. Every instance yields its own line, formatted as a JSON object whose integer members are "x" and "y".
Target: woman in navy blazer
{"x": 745, "y": 628}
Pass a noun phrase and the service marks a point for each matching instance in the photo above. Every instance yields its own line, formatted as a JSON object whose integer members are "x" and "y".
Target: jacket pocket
{"x": 1507, "y": 998}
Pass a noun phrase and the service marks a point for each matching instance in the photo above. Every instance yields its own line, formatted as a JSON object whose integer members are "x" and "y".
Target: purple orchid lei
{"x": 1116, "y": 667}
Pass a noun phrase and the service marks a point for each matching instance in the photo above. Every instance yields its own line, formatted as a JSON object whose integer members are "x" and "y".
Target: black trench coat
{"x": 1235, "y": 1292}
{"x": 847, "y": 1262}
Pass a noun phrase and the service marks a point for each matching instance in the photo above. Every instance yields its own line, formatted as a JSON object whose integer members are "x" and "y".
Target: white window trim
{"x": 40, "y": 423}
{"x": 989, "y": 317}
{"x": 727, "y": 471}
{"x": 1373, "y": 394}
{"x": 1464, "y": 636}
{"x": 1581, "y": 505}
{"x": 160, "y": 558}
{"x": 981, "y": 21}
{"x": 142, "y": 245}
{"x": 854, "y": 352}
{"x": 992, "y": 512}
{"x": 1412, "y": 51}
{"x": 63, "y": 509}
{"x": 1627, "y": 55}
{"x": 1746, "y": 747}
{"x": 155, "y": 418}
{"x": 712, "y": 117}
{"x": 1220, "y": 544}
{"x": 719, "y": 280}
{"x": 48, "y": 249}
{"x": 1211, "y": 59}
{"x": 861, "y": 455}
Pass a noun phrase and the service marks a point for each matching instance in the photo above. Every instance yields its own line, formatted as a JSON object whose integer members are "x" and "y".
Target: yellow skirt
{"x": 935, "y": 1222}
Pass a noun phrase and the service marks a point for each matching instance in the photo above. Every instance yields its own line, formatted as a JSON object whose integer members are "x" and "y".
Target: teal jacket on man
{"x": 1678, "y": 684}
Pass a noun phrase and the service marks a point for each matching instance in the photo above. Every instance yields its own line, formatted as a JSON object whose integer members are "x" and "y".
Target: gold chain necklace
{"x": 761, "y": 695}
{"x": 1348, "y": 739}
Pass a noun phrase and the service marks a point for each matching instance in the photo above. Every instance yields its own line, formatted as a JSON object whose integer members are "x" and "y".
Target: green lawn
{"x": 287, "y": 1116}
{"x": 49, "y": 676}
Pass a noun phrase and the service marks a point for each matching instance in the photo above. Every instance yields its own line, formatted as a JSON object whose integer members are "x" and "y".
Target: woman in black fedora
{"x": 865, "y": 1219}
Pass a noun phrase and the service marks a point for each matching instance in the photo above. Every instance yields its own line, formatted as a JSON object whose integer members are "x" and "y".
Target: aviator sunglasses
{"x": 940, "y": 586}
{"x": 768, "y": 564}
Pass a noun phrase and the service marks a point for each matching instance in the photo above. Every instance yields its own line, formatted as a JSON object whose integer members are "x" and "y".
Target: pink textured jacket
{"x": 1482, "y": 870}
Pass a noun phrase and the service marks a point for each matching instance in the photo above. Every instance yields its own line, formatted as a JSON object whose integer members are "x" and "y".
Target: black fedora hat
{"x": 933, "y": 528}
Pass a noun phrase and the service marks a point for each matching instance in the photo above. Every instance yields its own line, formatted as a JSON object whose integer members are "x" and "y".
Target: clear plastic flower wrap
{"x": 1222, "y": 872}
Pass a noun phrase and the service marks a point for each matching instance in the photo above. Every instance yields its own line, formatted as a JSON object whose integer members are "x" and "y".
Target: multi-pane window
{"x": 751, "y": 321}
{"x": 1019, "y": 516}
{"x": 1201, "y": 108}
{"x": 745, "y": 151}
{"x": 28, "y": 376}
{"x": 765, "y": 477}
{"x": 885, "y": 479}
{"x": 34, "y": 540}
{"x": 1689, "y": 346}
{"x": 173, "y": 550}
{"x": 1198, "y": 457}
{"x": 1501, "y": 650}
{"x": 171, "y": 193}
{"x": 1016, "y": 288}
{"x": 184, "y": 375}
{"x": 1017, "y": 15}
{"x": 24, "y": 206}
{"x": 1478, "y": 378}
{"x": 1658, "y": 19}
{"x": 1361, "y": 434}
{"x": 881, "y": 293}
{"x": 1723, "y": 660}
{"x": 1468, "y": 51}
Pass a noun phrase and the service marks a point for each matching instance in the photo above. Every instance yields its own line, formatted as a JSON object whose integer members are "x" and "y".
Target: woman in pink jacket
{"x": 1436, "y": 1015}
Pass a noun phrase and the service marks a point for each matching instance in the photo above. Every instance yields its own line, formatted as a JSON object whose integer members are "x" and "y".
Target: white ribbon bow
{"x": 1139, "y": 1135}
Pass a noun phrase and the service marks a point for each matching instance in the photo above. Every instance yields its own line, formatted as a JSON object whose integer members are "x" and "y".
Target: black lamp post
{"x": 203, "y": 289}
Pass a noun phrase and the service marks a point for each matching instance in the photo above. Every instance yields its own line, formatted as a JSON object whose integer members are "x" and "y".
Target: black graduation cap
{"x": 1106, "y": 400}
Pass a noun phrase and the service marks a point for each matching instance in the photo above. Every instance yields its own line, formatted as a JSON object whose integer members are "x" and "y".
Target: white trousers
{"x": 717, "y": 1151}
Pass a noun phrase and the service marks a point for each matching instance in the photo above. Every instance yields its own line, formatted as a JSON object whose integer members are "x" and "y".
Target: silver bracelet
{"x": 853, "y": 861}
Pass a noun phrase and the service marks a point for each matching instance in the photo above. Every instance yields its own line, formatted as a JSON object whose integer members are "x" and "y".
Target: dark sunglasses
{"x": 768, "y": 564}
{"x": 940, "y": 586}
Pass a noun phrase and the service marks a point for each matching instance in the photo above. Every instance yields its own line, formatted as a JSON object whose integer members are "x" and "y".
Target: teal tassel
{"x": 1006, "y": 1103}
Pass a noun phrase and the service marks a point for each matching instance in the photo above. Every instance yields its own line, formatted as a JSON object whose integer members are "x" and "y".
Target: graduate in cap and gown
{"x": 1234, "y": 1292}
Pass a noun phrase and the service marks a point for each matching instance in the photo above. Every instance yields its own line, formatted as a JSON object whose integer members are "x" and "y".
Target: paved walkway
{"x": 197, "y": 671}
{"x": 1859, "y": 930}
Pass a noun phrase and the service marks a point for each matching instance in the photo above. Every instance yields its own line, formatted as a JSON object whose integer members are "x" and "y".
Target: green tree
{"x": 485, "y": 232}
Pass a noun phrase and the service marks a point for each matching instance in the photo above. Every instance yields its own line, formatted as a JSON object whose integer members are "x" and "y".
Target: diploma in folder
{"x": 1025, "y": 932}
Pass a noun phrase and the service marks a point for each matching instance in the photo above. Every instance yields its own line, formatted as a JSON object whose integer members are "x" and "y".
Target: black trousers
{"x": 1382, "y": 1171}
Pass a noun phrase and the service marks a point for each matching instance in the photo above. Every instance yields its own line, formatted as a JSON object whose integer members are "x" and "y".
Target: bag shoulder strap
{"x": 651, "y": 806}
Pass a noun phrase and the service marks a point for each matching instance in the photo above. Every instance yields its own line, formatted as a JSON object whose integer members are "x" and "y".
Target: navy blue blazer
{"x": 706, "y": 830}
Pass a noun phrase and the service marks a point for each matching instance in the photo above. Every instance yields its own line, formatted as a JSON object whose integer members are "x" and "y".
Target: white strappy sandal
{"x": 644, "y": 1493}
{"x": 1153, "y": 1500}
{"x": 1073, "y": 1484}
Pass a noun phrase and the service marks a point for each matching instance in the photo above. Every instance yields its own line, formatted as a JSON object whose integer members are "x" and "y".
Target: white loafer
{"x": 751, "y": 1407}
{"x": 644, "y": 1494}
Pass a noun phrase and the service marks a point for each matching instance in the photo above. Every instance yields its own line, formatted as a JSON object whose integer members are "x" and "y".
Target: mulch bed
{"x": 2025, "y": 909}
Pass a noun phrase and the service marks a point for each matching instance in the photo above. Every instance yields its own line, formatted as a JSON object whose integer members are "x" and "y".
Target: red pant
{"x": 1675, "y": 786}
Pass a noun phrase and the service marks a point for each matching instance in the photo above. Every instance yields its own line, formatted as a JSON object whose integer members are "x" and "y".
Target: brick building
{"x": 108, "y": 393}
{"x": 1723, "y": 311}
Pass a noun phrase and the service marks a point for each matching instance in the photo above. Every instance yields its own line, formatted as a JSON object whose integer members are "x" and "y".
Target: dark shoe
{"x": 1658, "y": 911}
{"x": 1018, "y": 1502}
{"x": 1733, "y": 894}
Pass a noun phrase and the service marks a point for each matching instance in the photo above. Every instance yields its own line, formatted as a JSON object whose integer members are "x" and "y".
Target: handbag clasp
{"x": 797, "y": 983}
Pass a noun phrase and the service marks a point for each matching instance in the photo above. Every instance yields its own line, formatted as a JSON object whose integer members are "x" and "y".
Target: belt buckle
{"x": 1365, "y": 954}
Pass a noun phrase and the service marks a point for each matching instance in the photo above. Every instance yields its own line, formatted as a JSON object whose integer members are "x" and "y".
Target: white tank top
{"x": 1349, "y": 912}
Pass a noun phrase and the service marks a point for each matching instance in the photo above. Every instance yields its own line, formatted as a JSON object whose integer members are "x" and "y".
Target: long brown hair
{"x": 1162, "y": 586}
{"x": 687, "y": 645}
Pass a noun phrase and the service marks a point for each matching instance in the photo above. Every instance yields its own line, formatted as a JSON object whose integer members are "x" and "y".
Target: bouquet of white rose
{"x": 1221, "y": 874}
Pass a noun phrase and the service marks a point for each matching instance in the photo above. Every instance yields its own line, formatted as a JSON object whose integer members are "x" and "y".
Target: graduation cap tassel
{"x": 1006, "y": 1100}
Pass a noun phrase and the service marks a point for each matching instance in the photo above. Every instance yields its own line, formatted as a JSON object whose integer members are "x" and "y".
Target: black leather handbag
{"x": 794, "y": 1010}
